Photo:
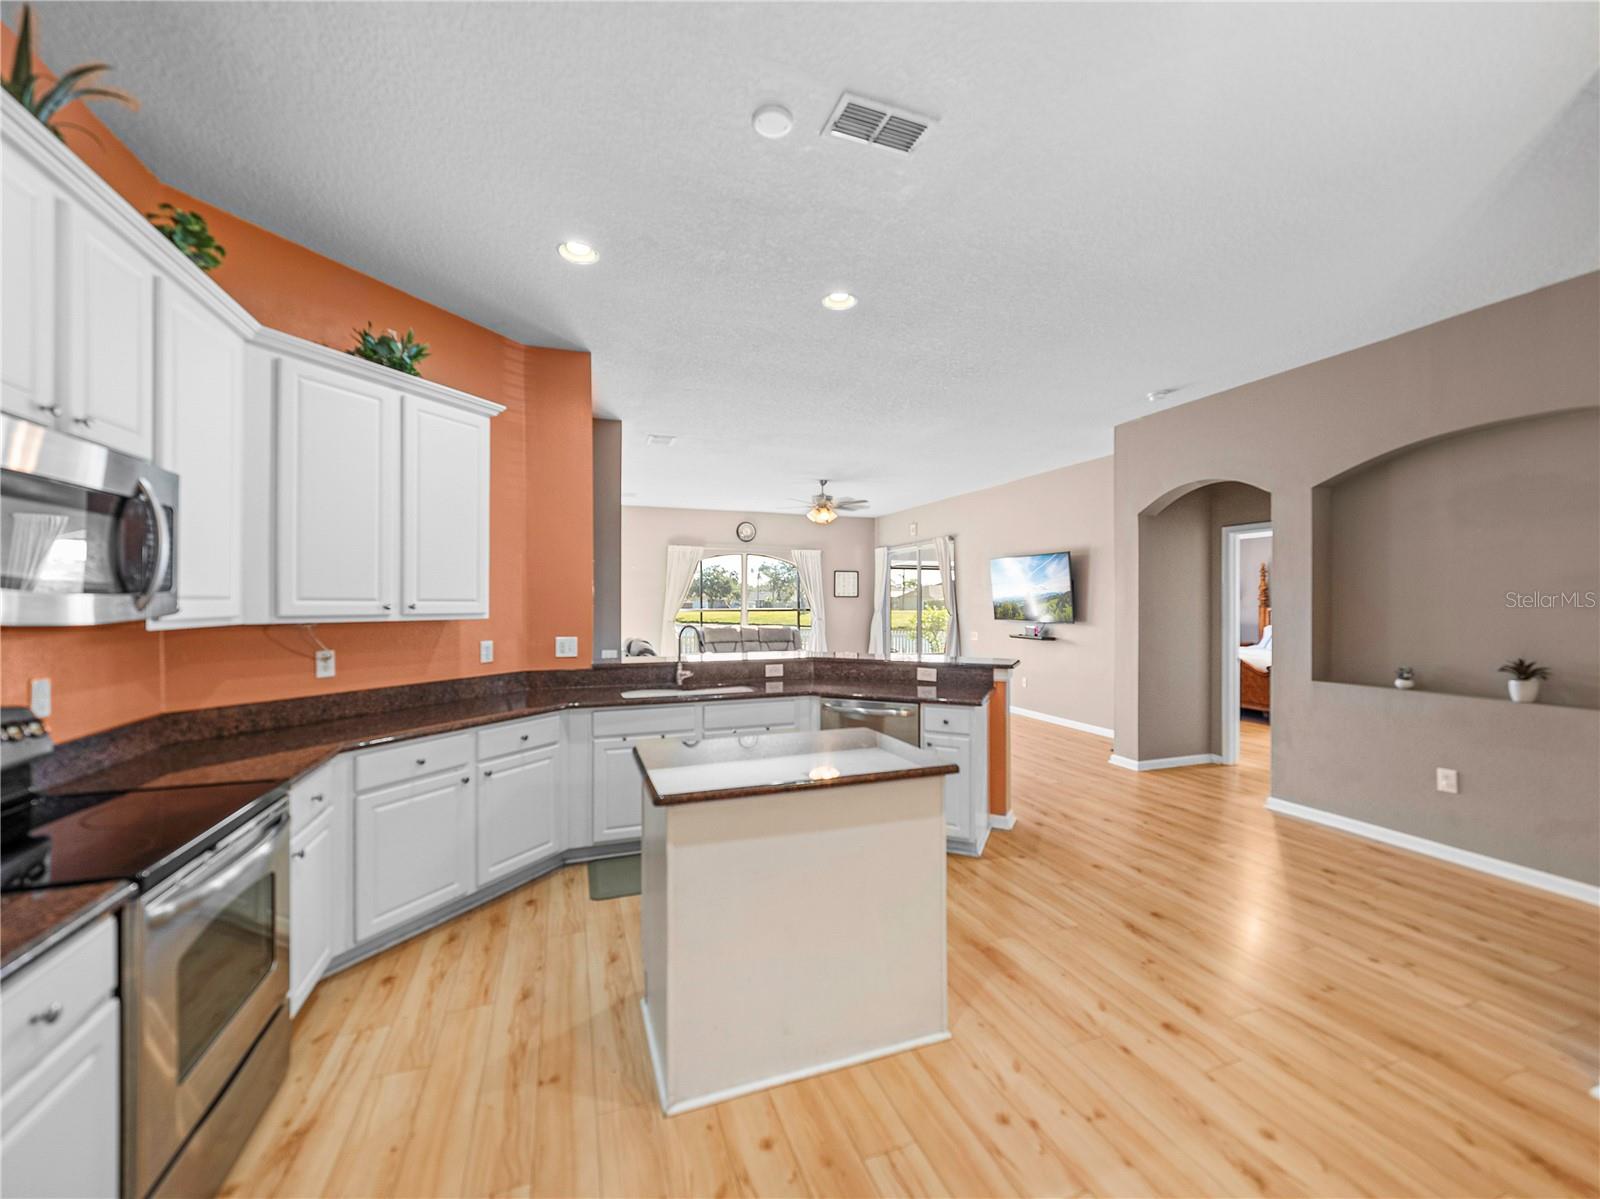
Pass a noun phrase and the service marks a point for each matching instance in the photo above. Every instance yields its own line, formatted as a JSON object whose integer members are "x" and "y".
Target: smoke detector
{"x": 873, "y": 123}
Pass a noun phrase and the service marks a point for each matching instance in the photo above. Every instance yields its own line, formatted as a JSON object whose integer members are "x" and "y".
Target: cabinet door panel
{"x": 338, "y": 490}
{"x": 445, "y": 482}
{"x": 199, "y": 384}
{"x": 516, "y": 813}
{"x": 27, "y": 291}
{"x": 957, "y": 787}
{"x": 313, "y": 907}
{"x": 110, "y": 338}
{"x": 618, "y": 792}
{"x": 414, "y": 851}
{"x": 61, "y": 1118}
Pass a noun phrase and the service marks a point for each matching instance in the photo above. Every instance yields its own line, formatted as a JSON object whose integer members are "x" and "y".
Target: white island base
{"x": 791, "y": 933}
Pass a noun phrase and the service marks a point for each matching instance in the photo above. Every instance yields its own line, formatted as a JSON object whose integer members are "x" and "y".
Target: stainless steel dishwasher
{"x": 892, "y": 720}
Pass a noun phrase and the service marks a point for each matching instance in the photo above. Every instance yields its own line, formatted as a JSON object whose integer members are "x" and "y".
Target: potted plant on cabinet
{"x": 188, "y": 231}
{"x": 45, "y": 99}
{"x": 390, "y": 349}
{"x": 1525, "y": 679}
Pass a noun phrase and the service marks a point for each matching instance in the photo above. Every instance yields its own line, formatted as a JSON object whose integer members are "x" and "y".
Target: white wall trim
{"x": 1165, "y": 763}
{"x": 777, "y": 1080}
{"x": 1526, "y": 875}
{"x": 1003, "y": 823}
{"x": 1063, "y": 721}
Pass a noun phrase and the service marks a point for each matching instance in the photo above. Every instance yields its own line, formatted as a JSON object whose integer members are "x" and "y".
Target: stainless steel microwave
{"x": 87, "y": 535}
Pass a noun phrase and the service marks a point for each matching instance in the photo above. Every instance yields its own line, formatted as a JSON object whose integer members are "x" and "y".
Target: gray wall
{"x": 1529, "y": 774}
{"x": 1254, "y": 553}
{"x": 1423, "y": 546}
{"x": 1065, "y": 509}
{"x": 607, "y": 536}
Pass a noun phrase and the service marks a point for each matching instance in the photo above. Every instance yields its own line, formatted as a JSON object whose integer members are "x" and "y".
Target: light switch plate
{"x": 774, "y": 688}
{"x": 325, "y": 664}
{"x": 926, "y": 692}
{"x": 39, "y": 698}
{"x": 1446, "y": 780}
{"x": 775, "y": 670}
{"x": 566, "y": 647}
{"x": 927, "y": 674}
{"x": 486, "y": 651}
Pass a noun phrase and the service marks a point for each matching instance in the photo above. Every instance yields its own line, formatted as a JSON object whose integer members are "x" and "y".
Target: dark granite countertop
{"x": 822, "y": 656}
{"x": 34, "y": 922}
{"x": 276, "y": 755}
{"x": 681, "y": 772}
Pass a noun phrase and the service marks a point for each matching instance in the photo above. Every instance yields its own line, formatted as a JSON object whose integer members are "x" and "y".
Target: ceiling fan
{"x": 824, "y": 509}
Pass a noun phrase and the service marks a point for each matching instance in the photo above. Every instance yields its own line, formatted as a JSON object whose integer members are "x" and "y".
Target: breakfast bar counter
{"x": 792, "y": 907}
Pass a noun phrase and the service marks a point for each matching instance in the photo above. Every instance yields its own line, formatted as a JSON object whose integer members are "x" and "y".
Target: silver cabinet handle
{"x": 163, "y": 543}
{"x": 317, "y": 798}
{"x": 299, "y": 853}
{"x": 413, "y": 607}
{"x": 466, "y": 778}
{"x": 52, "y": 409}
{"x": 488, "y": 774}
{"x": 422, "y": 761}
{"x": 388, "y": 607}
{"x": 49, "y": 1016}
{"x": 85, "y": 421}
{"x": 524, "y": 736}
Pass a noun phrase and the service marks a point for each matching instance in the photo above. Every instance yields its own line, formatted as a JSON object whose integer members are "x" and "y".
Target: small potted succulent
{"x": 188, "y": 231}
{"x": 1525, "y": 679}
{"x": 390, "y": 349}
{"x": 1405, "y": 678}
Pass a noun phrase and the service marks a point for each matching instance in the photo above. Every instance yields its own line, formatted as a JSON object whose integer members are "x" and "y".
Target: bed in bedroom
{"x": 1255, "y": 661}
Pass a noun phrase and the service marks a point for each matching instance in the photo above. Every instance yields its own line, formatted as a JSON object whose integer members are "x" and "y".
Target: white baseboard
{"x": 777, "y": 1080}
{"x": 1526, "y": 875}
{"x": 1008, "y": 821}
{"x": 1165, "y": 763}
{"x": 1062, "y": 721}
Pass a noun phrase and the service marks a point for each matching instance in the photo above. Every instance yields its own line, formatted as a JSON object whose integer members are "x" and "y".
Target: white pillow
{"x": 1266, "y": 638}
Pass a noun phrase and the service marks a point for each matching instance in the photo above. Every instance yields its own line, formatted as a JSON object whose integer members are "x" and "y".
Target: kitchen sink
{"x": 663, "y": 692}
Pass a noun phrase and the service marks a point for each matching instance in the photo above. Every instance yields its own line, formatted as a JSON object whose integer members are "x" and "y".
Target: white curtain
{"x": 808, "y": 565}
{"x": 880, "y": 598}
{"x": 681, "y": 561}
{"x": 945, "y": 549}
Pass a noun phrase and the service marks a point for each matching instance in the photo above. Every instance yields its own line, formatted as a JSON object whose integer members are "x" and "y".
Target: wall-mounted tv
{"x": 1036, "y": 588}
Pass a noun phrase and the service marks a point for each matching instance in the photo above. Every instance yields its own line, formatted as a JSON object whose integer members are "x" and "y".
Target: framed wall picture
{"x": 846, "y": 584}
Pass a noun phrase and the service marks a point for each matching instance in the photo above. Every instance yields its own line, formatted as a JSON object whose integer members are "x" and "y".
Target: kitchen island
{"x": 792, "y": 907}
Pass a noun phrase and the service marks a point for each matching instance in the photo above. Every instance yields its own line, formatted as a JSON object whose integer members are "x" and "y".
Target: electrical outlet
{"x": 566, "y": 647}
{"x": 325, "y": 664}
{"x": 1445, "y": 781}
{"x": 608, "y": 653}
{"x": 486, "y": 651}
{"x": 775, "y": 670}
{"x": 913, "y": 530}
{"x": 1022, "y": 680}
{"x": 39, "y": 698}
{"x": 927, "y": 674}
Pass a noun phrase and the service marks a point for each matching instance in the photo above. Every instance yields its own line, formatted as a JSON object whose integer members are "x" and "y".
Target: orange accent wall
{"x": 541, "y": 503}
{"x": 1000, "y": 749}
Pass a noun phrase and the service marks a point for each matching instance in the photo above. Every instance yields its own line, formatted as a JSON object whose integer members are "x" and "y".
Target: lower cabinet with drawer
{"x": 618, "y": 784}
{"x": 415, "y": 842}
{"x": 729, "y": 718}
{"x": 320, "y": 876}
{"x": 60, "y": 1106}
{"x": 960, "y": 735}
{"x": 519, "y": 817}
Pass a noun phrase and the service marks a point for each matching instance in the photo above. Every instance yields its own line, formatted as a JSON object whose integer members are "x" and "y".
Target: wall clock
{"x": 746, "y": 531}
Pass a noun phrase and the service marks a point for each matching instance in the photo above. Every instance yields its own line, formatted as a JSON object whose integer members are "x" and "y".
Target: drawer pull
{"x": 299, "y": 853}
{"x": 488, "y": 774}
{"x": 524, "y": 736}
{"x": 422, "y": 761}
{"x": 466, "y": 778}
{"x": 49, "y": 1016}
{"x": 317, "y": 798}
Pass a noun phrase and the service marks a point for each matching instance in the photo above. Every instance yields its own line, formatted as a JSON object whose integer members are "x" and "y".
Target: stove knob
{"x": 13, "y": 732}
{"x": 34, "y": 729}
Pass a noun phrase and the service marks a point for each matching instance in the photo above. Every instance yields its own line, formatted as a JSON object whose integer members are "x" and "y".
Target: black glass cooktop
{"x": 140, "y": 835}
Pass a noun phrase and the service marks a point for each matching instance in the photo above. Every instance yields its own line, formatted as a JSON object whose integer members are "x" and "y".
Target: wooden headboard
{"x": 1263, "y": 603}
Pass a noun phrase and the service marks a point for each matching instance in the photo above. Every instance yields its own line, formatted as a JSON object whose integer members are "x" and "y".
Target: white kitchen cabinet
{"x": 960, "y": 735}
{"x": 445, "y": 514}
{"x": 518, "y": 798}
{"x": 338, "y": 490}
{"x": 314, "y": 872}
{"x": 729, "y": 718}
{"x": 28, "y": 205}
{"x": 199, "y": 436}
{"x": 415, "y": 844}
{"x": 109, "y": 338}
{"x": 61, "y": 1118}
{"x": 957, "y": 802}
{"x": 618, "y": 789}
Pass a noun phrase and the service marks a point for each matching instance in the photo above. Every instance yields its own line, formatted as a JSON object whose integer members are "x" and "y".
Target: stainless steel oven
{"x": 87, "y": 535}
{"x": 900, "y": 721}
{"x": 210, "y": 947}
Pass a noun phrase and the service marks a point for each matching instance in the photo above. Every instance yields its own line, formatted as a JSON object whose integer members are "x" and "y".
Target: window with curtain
{"x": 747, "y": 589}
{"x": 919, "y": 617}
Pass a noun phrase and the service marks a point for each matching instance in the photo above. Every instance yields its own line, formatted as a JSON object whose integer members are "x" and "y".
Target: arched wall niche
{"x": 1455, "y": 553}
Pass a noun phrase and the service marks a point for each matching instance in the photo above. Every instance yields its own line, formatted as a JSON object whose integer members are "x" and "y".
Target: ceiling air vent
{"x": 875, "y": 124}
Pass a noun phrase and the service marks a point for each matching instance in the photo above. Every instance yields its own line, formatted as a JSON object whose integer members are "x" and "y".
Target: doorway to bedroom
{"x": 1246, "y": 640}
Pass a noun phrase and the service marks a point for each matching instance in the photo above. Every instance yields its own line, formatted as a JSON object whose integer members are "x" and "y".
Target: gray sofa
{"x": 742, "y": 639}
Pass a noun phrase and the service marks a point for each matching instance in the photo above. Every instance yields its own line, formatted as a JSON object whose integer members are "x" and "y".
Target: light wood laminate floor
{"x": 1156, "y": 987}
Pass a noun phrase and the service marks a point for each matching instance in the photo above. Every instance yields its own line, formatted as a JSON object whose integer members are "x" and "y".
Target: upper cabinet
{"x": 445, "y": 487}
{"x": 28, "y": 203}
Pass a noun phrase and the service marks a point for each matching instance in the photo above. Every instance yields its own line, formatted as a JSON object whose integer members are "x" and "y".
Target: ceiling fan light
{"x": 822, "y": 515}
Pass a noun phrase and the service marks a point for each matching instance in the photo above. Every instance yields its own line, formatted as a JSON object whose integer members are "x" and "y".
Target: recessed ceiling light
{"x": 579, "y": 252}
{"x": 661, "y": 438}
{"x": 838, "y": 301}
{"x": 772, "y": 121}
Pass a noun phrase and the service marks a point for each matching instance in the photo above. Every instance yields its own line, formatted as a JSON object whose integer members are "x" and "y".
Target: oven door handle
{"x": 237, "y": 861}
{"x": 147, "y": 492}
{"x": 865, "y": 710}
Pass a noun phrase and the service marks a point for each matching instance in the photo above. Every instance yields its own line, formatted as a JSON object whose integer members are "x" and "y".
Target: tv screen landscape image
{"x": 1036, "y": 588}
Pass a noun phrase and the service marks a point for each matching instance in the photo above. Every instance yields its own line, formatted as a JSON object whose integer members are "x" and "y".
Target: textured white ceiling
{"x": 1117, "y": 198}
